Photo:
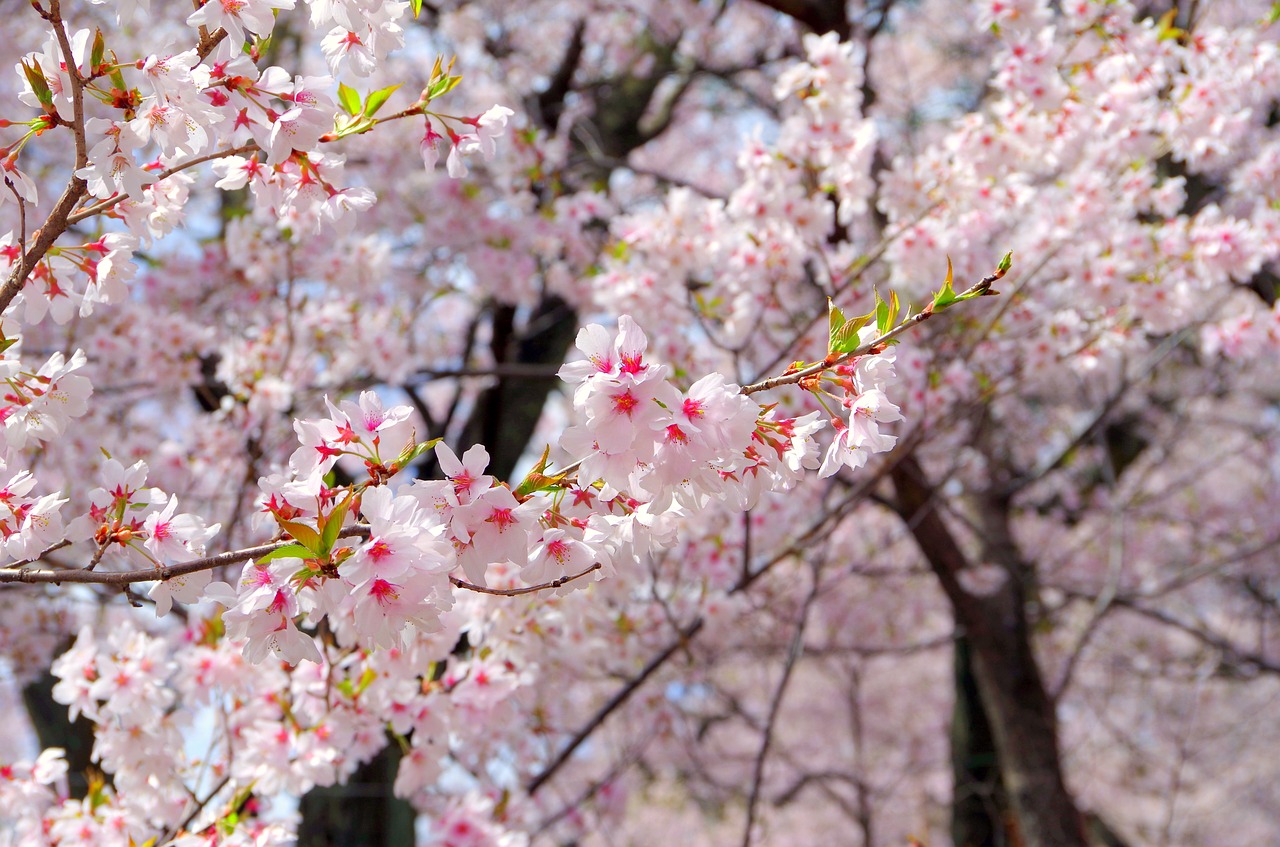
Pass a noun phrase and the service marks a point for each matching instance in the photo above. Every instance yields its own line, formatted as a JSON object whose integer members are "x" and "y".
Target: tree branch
{"x": 83, "y": 575}
{"x": 978, "y": 289}
{"x": 775, "y": 705}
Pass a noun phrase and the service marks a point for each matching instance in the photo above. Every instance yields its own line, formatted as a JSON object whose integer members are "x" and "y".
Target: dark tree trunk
{"x": 979, "y": 810}
{"x": 1010, "y": 687}
{"x": 50, "y": 720}
{"x": 363, "y": 812}
{"x": 506, "y": 412}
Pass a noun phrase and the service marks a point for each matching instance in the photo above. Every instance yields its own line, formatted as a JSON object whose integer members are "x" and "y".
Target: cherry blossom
{"x": 254, "y": 342}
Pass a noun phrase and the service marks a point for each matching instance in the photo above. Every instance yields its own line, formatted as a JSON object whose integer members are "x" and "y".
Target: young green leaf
{"x": 846, "y": 340}
{"x": 39, "y": 85}
{"x": 946, "y": 294}
{"x": 442, "y": 86}
{"x": 412, "y": 451}
{"x": 333, "y": 525}
{"x": 289, "y": 551}
{"x": 97, "y": 53}
{"x": 884, "y": 319}
{"x": 304, "y": 535}
{"x": 376, "y": 98}
{"x": 835, "y": 320}
{"x": 349, "y": 99}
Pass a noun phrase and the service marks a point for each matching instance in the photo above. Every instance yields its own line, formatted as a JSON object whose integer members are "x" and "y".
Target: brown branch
{"x": 99, "y": 208}
{"x": 775, "y": 705}
{"x": 979, "y": 289}
{"x": 57, "y": 222}
{"x": 1240, "y": 658}
{"x": 821, "y": 16}
{"x": 499, "y": 369}
{"x": 54, "y": 226}
{"x": 528, "y": 589}
{"x": 621, "y": 696}
{"x": 83, "y": 575}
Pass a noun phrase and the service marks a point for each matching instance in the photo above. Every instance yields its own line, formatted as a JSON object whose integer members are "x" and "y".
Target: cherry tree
{"x": 769, "y": 422}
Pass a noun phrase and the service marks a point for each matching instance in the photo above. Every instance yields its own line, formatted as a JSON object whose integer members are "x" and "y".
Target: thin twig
{"x": 775, "y": 705}
{"x": 621, "y": 696}
{"x": 99, "y": 208}
{"x": 528, "y": 589}
{"x": 977, "y": 290}
{"x": 83, "y": 575}
{"x": 684, "y": 636}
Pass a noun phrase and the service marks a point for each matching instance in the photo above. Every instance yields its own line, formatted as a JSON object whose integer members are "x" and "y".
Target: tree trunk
{"x": 362, "y": 812}
{"x": 53, "y": 728}
{"x": 979, "y": 809}
{"x": 1010, "y": 687}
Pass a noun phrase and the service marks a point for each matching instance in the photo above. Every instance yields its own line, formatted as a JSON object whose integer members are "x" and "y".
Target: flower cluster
{"x": 863, "y": 382}
{"x": 644, "y": 436}
{"x": 145, "y": 524}
{"x": 38, "y": 406}
{"x": 646, "y": 450}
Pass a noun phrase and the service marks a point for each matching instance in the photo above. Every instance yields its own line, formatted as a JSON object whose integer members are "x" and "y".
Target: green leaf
{"x": 844, "y": 340}
{"x": 442, "y": 86}
{"x": 946, "y": 294}
{"x": 98, "y": 52}
{"x": 1006, "y": 262}
{"x": 376, "y": 99}
{"x": 412, "y": 451}
{"x": 354, "y": 125}
{"x": 884, "y": 320}
{"x": 366, "y": 679}
{"x": 333, "y": 525}
{"x": 289, "y": 551}
{"x": 349, "y": 99}
{"x": 231, "y": 817}
{"x": 537, "y": 480}
{"x": 39, "y": 85}
{"x": 835, "y": 321}
{"x": 1165, "y": 30}
{"x": 307, "y": 536}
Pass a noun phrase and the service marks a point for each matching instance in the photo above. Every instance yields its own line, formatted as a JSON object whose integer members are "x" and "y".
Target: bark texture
{"x": 1009, "y": 683}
